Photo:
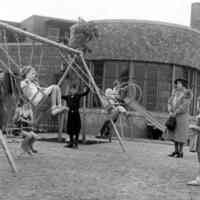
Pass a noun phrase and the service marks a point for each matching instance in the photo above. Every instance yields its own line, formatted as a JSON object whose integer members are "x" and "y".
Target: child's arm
{"x": 85, "y": 93}
{"x": 16, "y": 115}
{"x": 65, "y": 97}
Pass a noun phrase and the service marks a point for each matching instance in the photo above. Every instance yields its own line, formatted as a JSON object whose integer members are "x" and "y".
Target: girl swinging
{"x": 35, "y": 93}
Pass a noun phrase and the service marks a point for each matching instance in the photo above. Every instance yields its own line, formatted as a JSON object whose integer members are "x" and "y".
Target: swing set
{"x": 72, "y": 57}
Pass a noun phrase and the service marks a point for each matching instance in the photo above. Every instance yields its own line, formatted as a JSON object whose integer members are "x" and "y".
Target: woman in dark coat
{"x": 178, "y": 106}
{"x": 74, "y": 120}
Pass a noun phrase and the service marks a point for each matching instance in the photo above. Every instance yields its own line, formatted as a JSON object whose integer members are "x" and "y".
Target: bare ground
{"x": 99, "y": 172}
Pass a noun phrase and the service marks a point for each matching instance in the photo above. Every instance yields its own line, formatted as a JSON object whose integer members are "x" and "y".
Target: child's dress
{"x": 74, "y": 120}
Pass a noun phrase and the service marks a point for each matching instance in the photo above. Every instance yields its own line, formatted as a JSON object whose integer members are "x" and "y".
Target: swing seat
{"x": 35, "y": 95}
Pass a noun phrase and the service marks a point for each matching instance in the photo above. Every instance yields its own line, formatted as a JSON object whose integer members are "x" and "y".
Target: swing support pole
{"x": 7, "y": 153}
{"x": 100, "y": 97}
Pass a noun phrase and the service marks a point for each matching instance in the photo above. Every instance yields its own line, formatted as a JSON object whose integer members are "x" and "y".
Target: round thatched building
{"x": 151, "y": 54}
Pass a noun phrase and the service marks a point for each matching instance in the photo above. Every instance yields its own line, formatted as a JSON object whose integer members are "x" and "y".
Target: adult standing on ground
{"x": 178, "y": 107}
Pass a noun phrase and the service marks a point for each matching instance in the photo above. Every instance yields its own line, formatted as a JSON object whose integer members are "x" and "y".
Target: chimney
{"x": 195, "y": 16}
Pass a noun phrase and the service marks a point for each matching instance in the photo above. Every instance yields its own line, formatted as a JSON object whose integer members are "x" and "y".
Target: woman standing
{"x": 74, "y": 120}
{"x": 178, "y": 106}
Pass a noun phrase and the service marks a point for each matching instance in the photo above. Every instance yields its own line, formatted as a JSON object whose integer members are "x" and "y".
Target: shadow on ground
{"x": 87, "y": 142}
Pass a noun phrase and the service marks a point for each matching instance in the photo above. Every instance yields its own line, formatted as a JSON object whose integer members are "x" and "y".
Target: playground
{"x": 99, "y": 171}
{"x": 96, "y": 170}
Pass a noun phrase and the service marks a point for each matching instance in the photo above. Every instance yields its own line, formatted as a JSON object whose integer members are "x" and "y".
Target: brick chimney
{"x": 195, "y": 16}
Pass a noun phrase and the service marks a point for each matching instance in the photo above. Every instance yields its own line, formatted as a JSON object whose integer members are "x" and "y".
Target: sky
{"x": 172, "y": 11}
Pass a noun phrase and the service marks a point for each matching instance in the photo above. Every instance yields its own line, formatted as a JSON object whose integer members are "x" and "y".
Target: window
{"x": 164, "y": 85}
{"x": 181, "y": 72}
{"x": 98, "y": 71}
{"x": 115, "y": 70}
{"x": 105, "y": 73}
{"x": 53, "y": 33}
{"x": 155, "y": 82}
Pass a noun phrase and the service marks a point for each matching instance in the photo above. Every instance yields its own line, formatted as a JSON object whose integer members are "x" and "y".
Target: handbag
{"x": 171, "y": 123}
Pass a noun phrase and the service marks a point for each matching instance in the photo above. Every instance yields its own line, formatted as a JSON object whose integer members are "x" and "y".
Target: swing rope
{"x": 77, "y": 65}
{"x": 9, "y": 57}
{"x": 76, "y": 71}
{"x": 19, "y": 49}
{"x": 41, "y": 58}
{"x": 32, "y": 52}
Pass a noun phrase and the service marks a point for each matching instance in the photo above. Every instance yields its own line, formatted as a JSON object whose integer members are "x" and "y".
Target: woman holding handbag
{"x": 178, "y": 108}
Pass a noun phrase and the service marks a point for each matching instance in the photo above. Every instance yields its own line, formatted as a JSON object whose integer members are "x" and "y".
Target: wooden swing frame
{"x": 71, "y": 51}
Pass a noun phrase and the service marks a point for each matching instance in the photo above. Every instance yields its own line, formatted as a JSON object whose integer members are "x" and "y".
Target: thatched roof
{"x": 146, "y": 41}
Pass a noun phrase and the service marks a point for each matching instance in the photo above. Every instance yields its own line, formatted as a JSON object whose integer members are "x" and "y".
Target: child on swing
{"x": 23, "y": 118}
{"x": 115, "y": 108}
{"x": 74, "y": 120}
{"x": 35, "y": 93}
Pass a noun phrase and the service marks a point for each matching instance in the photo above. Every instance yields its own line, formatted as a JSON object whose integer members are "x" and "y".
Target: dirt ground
{"x": 99, "y": 172}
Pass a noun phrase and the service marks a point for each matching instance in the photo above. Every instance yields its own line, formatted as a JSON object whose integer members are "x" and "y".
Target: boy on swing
{"x": 23, "y": 119}
{"x": 116, "y": 107}
{"x": 35, "y": 93}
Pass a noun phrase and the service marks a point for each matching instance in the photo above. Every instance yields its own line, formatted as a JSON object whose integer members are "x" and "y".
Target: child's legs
{"x": 71, "y": 138}
{"x": 32, "y": 140}
{"x": 104, "y": 127}
{"x": 55, "y": 93}
{"x": 180, "y": 147}
{"x": 76, "y": 138}
{"x": 25, "y": 145}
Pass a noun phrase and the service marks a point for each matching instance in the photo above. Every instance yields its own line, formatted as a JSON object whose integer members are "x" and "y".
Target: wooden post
{"x": 84, "y": 120}
{"x": 66, "y": 71}
{"x": 61, "y": 119}
{"x": 101, "y": 99}
{"x": 7, "y": 153}
{"x": 118, "y": 136}
{"x": 121, "y": 125}
{"x": 173, "y": 75}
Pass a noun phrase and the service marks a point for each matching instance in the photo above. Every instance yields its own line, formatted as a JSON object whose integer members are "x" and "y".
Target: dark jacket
{"x": 74, "y": 120}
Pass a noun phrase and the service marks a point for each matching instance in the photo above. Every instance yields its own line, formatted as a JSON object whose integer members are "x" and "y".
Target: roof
{"x": 47, "y": 18}
{"x": 146, "y": 41}
{"x": 17, "y": 24}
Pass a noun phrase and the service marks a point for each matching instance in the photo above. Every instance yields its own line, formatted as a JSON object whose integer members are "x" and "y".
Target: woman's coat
{"x": 180, "y": 107}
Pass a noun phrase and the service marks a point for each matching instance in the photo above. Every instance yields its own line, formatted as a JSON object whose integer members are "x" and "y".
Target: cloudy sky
{"x": 173, "y": 11}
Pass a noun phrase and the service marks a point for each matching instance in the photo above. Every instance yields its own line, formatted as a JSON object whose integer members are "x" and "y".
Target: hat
{"x": 181, "y": 80}
{"x": 25, "y": 70}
